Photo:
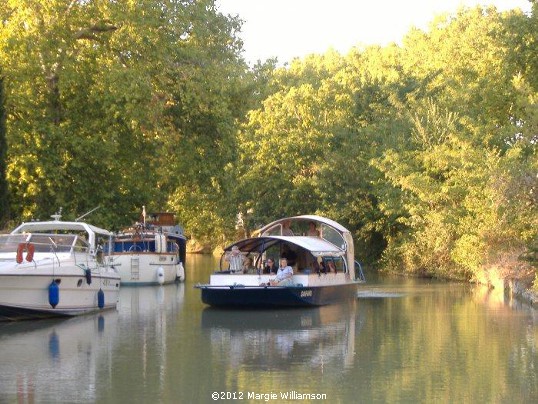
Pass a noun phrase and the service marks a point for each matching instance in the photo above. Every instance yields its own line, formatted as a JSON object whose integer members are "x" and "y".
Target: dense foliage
{"x": 4, "y": 195}
{"x": 427, "y": 151}
{"x": 119, "y": 105}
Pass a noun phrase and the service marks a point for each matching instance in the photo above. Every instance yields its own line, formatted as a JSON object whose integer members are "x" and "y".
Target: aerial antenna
{"x": 86, "y": 214}
{"x": 58, "y": 215}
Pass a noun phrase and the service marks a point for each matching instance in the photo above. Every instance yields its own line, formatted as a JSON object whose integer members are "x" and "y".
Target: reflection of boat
{"x": 147, "y": 301}
{"x": 323, "y": 266}
{"x": 55, "y": 268}
{"x": 55, "y": 359}
{"x": 151, "y": 252}
{"x": 268, "y": 338}
{"x": 154, "y": 313}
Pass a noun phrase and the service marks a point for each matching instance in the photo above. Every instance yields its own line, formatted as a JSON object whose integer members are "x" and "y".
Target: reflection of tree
{"x": 443, "y": 346}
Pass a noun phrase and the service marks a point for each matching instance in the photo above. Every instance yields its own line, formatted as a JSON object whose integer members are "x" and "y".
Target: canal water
{"x": 400, "y": 341}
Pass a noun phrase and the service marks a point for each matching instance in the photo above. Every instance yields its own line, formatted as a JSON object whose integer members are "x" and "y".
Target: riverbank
{"x": 522, "y": 291}
{"x": 516, "y": 280}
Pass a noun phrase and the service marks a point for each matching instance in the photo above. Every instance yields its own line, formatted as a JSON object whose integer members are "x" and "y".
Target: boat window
{"x": 276, "y": 230}
{"x": 133, "y": 246}
{"x": 10, "y": 243}
{"x": 332, "y": 236}
{"x": 53, "y": 242}
{"x": 81, "y": 245}
{"x": 172, "y": 247}
{"x": 333, "y": 265}
{"x": 302, "y": 228}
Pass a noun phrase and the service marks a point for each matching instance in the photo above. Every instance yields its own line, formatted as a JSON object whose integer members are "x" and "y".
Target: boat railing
{"x": 359, "y": 273}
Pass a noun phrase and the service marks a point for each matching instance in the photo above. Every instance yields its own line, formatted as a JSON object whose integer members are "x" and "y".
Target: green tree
{"x": 4, "y": 195}
{"x": 93, "y": 90}
{"x": 473, "y": 145}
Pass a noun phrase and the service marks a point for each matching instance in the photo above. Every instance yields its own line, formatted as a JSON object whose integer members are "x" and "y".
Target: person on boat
{"x": 248, "y": 267}
{"x": 312, "y": 231}
{"x": 331, "y": 266}
{"x": 284, "y": 275}
{"x": 235, "y": 258}
{"x": 286, "y": 231}
{"x": 289, "y": 254}
{"x": 270, "y": 267}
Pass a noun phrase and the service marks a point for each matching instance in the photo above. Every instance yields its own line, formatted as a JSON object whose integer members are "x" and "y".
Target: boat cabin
{"x": 151, "y": 242}
{"x": 312, "y": 245}
{"x": 156, "y": 233}
{"x": 62, "y": 237}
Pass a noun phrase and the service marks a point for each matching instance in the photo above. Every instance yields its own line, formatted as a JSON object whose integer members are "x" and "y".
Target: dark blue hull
{"x": 8, "y": 313}
{"x": 260, "y": 296}
{"x": 13, "y": 313}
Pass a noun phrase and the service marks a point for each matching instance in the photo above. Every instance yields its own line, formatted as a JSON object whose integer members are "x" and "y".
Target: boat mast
{"x": 85, "y": 214}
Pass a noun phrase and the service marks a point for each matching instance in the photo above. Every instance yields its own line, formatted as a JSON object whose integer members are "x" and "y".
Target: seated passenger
{"x": 312, "y": 231}
{"x": 248, "y": 267}
{"x": 286, "y": 231}
{"x": 331, "y": 266}
{"x": 270, "y": 267}
{"x": 284, "y": 275}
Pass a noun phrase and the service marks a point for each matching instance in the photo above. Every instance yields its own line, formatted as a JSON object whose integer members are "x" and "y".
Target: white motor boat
{"x": 56, "y": 268}
{"x": 151, "y": 252}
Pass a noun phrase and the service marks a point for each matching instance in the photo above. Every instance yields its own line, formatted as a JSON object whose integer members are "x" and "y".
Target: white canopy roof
{"x": 58, "y": 225}
{"x": 55, "y": 225}
{"x": 315, "y": 245}
{"x": 313, "y": 218}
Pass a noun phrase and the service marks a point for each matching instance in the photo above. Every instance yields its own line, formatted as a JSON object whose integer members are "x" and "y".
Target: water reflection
{"x": 400, "y": 341}
{"x": 143, "y": 302}
{"x": 293, "y": 344}
{"x": 445, "y": 342}
{"x": 147, "y": 320}
{"x": 45, "y": 360}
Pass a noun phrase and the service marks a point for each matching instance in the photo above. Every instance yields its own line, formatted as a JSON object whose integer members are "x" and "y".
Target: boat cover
{"x": 313, "y": 218}
{"x": 315, "y": 245}
{"x": 30, "y": 227}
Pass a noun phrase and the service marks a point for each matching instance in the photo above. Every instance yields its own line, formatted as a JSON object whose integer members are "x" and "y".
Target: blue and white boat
{"x": 152, "y": 252}
{"x": 324, "y": 267}
{"x": 56, "y": 269}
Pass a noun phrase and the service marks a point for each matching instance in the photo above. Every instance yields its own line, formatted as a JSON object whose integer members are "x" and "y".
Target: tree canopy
{"x": 425, "y": 150}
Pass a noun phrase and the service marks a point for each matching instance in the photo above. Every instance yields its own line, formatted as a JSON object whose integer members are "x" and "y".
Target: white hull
{"x": 24, "y": 289}
{"x": 148, "y": 268}
{"x": 54, "y": 269}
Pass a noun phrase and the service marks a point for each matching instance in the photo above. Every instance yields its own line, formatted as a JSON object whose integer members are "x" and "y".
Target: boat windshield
{"x": 332, "y": 236}
{"x": 9, "y": 242}
{"x": 301, "y": 228}
{"x": 58, "y": 243}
